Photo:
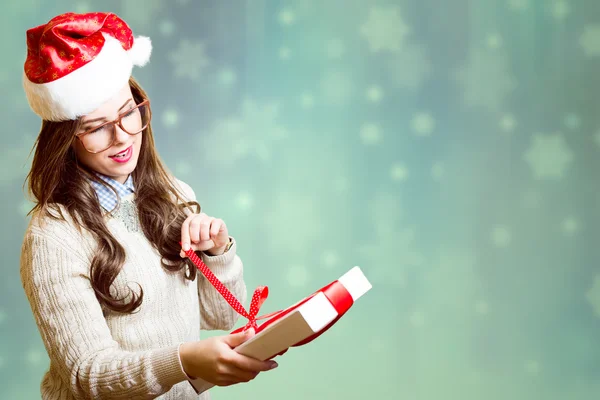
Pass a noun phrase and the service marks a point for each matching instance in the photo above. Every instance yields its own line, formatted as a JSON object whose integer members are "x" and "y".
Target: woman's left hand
{"x": 204, "y": 233}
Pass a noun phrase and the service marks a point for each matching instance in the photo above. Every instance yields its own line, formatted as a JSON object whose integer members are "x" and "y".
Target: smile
{"x": 123, "y": 156}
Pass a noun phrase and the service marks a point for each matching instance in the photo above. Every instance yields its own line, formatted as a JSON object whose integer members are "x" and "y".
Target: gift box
{"x": 294, "y": 326}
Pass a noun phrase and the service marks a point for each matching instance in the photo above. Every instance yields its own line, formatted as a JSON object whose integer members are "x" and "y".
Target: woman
{"x": 118, "y": 304}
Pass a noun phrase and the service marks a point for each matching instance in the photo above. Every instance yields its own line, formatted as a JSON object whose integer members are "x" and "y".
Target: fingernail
{"x": 274, "y": 365}
{"x": 250, "y": 332}
{"x": 186, "y": 246}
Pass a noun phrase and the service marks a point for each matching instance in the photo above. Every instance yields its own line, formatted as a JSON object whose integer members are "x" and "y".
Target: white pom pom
{"x": 140, "y": 51}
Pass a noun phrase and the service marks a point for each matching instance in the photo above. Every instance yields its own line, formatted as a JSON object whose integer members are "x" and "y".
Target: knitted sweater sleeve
{"x": 55, "y": 277}
{"x": 215, "y": 312}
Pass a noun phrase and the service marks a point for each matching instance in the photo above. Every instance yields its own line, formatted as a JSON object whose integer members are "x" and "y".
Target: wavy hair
{"x": 56, "y": 178}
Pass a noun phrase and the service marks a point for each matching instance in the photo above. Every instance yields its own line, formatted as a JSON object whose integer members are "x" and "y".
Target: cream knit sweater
{"x": 98, "y": 354}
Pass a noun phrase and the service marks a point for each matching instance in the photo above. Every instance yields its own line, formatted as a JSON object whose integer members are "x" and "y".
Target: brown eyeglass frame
{"x": 118, "y": 122}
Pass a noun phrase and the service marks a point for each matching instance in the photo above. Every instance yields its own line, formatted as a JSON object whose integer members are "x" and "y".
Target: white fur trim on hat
{"x": 87, "y": 88}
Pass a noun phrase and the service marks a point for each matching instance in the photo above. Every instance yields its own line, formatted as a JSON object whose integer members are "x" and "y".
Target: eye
{"x": 130, "y": 113}
{"x": 97, "y": 130}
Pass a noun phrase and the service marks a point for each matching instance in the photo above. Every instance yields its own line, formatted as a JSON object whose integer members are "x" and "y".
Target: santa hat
{"x": 77, "y": 62}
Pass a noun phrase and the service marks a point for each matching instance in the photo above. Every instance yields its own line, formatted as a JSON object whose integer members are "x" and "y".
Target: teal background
{"x": 448, "y": 148}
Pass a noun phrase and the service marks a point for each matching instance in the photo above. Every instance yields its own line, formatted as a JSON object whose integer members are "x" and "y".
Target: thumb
{"x": 236, "y": 339}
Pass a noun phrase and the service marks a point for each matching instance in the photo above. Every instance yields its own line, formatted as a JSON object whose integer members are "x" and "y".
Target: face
{"x": 107, "y": 162}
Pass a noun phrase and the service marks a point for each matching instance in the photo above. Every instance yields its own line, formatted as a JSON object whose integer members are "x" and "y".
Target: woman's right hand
{"x": 215, "y": 361}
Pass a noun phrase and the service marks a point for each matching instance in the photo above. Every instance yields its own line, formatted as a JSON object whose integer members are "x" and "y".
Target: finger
{"x": 185, "y": 233}
{"x": 202, "y": 246}
{"x": 251, "y": 364}
{"x": 215, "y": 227}
{"x": 195, "y": 226}
{"x": 239, "y": 375}
{"x": 225, "y": 382}
{"x": 205, "y": 228}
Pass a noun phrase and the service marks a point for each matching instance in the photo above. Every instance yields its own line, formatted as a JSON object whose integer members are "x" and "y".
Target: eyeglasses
{"x": 103, "y": 136}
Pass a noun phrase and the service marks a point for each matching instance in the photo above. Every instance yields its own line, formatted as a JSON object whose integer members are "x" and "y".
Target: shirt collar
{"x": 107, "y": 198}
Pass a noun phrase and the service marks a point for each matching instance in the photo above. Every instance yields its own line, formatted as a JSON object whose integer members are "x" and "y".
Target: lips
{"x": 124, "y": 158}
{"x": 121, "y": 152}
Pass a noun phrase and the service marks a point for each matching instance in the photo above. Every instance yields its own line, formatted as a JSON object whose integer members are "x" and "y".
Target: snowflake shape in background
{"x": 410, "y": 67}
{"x": 384, "y": 29}
{"x": 166, "y": 27}
{"x": 508, "y": 123}
{"x": 548, "y": 156}
{"x": 253, "y": 133}
{"x": 36, "y": 357}
{"x": 572, "y": 121}
{"x": 227, "y": 76}
{"x": 244, "y": 201}
{"x": 307, "y": 100}
{"x": 590, "y": 40}
{"x": 374, "y": 94}
{"x": 170, "y": 118}
{"x": 486, "y": 80}
{"x": 287, "y": 17}
{"x": 423, "y": 124}
{"x": 370, "y": 133}
{"x": 570, "y": 226}
{"x": 330, "y": 259}
{"x": 560, "y": 9}
{"x": 189, "y": 59}
{"x": 501, "y": 236}
{"x": 494, "y": 41}
{"x": 399, "y": 172}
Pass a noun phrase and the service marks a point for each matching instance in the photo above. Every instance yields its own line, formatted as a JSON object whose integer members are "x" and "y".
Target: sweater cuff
{"x": 224, "y": 266}
{"x": 189, "y": 378}
{"x": 167, "y": 366}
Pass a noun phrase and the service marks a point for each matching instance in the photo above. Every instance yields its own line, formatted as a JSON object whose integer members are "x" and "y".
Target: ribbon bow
{"x": 258, "y": 298}
{"x": 335, "y": 292}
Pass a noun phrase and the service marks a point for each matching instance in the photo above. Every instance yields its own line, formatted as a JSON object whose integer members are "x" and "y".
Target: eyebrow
{"x": 85, "y": 123}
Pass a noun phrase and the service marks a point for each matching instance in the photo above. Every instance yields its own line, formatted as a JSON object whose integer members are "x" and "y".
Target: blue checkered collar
{"x": 108, "y": 198}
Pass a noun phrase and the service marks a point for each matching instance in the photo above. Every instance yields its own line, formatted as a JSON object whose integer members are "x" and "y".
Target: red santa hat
{"x": 77, "y": 62}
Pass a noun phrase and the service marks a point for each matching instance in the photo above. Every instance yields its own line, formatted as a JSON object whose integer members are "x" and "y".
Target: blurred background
{"x": 448, "y": 148}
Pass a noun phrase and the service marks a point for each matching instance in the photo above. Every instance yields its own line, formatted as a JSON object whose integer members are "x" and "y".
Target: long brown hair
{"x": 56, "y": 178}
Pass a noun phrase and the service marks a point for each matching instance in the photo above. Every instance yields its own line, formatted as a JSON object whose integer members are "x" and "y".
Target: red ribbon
{"x": 260, "y": 294}
{"x": 335, "y": 292}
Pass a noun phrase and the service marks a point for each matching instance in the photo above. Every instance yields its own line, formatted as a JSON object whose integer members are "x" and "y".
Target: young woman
{"x": 118, "y": 304}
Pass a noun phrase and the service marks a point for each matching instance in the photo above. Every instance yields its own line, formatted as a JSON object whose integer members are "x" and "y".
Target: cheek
{"x": 138, "y": 143}
{"x": 90, "y": 160}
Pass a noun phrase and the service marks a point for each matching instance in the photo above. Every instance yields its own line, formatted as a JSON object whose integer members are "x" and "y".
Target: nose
{"x": 120, "y": 135}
